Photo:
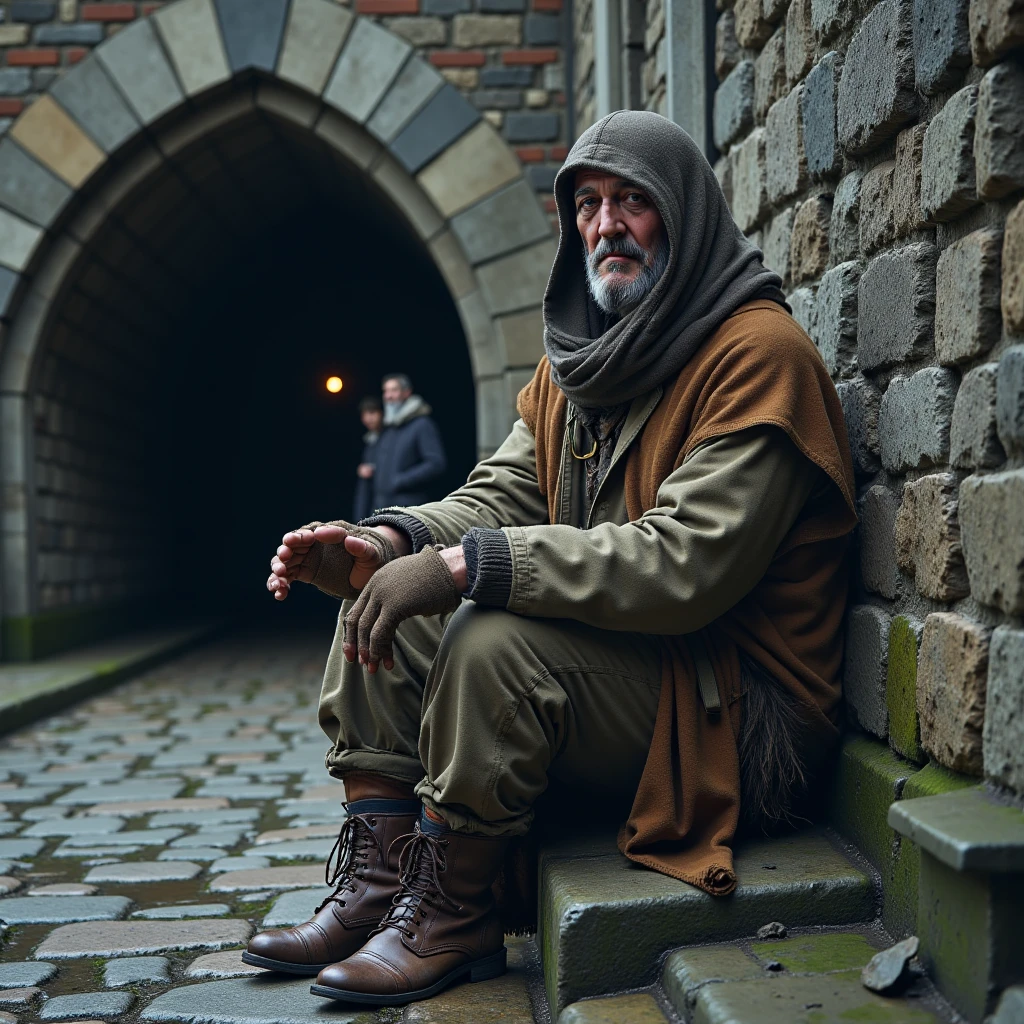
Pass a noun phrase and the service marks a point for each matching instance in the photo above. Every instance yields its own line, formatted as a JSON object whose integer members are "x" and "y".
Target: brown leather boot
{"x": 443, "y": 925}
{"x": 365, "y": 880}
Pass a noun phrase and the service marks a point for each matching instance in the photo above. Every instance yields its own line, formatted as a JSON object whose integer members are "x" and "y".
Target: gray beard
{"x": 623, "y": 298}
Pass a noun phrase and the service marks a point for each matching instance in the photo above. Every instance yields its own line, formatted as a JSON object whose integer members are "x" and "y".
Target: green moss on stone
{"x": 868, "y": 779}
{"x": 901, "y": 690}
{"x": 818, "y": 954}
{"x": 933, "y": 779}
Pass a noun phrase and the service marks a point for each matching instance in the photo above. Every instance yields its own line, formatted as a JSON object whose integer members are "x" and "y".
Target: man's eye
{"x": 636, "y": 197}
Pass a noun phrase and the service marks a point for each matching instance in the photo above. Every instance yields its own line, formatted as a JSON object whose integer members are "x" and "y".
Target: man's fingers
{"x": 381, "y": 637}
{"x": 330, "y": 534}
{"x": 359, "y": 548}
{"x": 352, "y": 622}
{"x": 298, "y": 538}
{"x": 367, "y": 620}
{"x": 278, "y": 587}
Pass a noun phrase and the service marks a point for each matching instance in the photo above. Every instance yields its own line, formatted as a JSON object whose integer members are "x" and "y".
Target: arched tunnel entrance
{"x": 181, "y": 417}
{"x": 198, "y": 224}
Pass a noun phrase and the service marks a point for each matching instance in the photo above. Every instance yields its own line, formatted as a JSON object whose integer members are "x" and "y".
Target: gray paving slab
{"x": 292, "y": 908}
{"x": 93, "y": 1005}
{"x": 45, "y": 812}
{"x": 19, "y": 998}
{"x": 121, "y": 792}
{"x": 86, "y": 852}
{"x": 204, "y": 854}
{"x": 221, "y": 965}
{"x": 139, "y": 938}
{"x": 181, "y": 911}
{"x": 227, "y": 816}
{"x": 144, "y": 871}
{"x": 141, "y": 837}
{"x": 63, "y": 909}
{"x": 258, "y": 1000}
{"x": 18, "y": 848}
{"x": 239, "y": 790}
{"x": 8, "y": 865}
{"x": 213, "y": 837}
{"x": 309, "y": 849}
{"x": 9, "y": 884}
{"x": 268, "y": 878}
{"x": 25, "y": 974}
{"x": 312, "y": 811}
{"x": 238, "y": 864}
{"x": 26, "y": 794}
{"x": 136, "y": 970}
{"x": 10, "y": 828}
{"x": 63, "y": 889}
{"x": 74, "y": 826}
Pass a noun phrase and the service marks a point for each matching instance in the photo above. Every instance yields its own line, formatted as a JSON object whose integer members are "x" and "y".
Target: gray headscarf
{"x": 712, "y": 268}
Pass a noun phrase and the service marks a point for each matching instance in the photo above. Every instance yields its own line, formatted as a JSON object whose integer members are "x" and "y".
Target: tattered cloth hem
{"x": 713, "y": 878}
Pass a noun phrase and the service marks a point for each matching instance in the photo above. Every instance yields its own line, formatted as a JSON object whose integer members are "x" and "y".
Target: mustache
{"x": 619, "y": 247}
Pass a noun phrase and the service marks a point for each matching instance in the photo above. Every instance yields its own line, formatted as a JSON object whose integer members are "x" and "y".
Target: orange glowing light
{"x": 334, "y": 385}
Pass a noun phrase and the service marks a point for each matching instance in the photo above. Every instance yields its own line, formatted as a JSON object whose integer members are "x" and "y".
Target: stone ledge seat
{"x": 968, "y": 830}
{"x": 605, "y": 924}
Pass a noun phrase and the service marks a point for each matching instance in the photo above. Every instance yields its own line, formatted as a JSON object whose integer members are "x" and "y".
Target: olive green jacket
{"x": 718, "y": 521}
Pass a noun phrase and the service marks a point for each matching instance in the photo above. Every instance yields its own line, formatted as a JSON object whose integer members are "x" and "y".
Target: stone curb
{"x": 20, "y": 710}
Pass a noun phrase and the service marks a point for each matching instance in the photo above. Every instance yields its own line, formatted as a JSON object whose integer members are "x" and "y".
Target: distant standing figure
{"x": 372, "y": 414}
{"x": 410, "y": 454}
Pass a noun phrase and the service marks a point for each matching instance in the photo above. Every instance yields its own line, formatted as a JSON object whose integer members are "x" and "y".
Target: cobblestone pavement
{"x": 147, "y": 833}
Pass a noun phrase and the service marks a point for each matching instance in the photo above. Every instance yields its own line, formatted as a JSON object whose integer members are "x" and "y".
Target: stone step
{"x": 632, "y": 1008}
{"x": 809, "y": 978}
{"x": 605, "y": 924}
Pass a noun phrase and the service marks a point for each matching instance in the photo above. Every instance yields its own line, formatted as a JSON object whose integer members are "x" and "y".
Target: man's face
{"x": 623, "y": 239}
{"x": 372, "y": 419}
{"x": 394, "y": 393}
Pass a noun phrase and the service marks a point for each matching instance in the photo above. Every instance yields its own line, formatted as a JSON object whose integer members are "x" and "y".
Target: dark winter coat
{"x": 362, "y": 502}
{"x": 409, "y": 459}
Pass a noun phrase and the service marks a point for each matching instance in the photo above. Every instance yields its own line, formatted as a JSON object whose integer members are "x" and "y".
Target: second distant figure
{"x": 409, "y": 456}
{"x": 372, "y": 414}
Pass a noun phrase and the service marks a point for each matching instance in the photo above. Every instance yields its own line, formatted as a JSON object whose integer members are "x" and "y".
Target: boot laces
{"x": 350, "y": 852}
{"x": 420, "y": 867}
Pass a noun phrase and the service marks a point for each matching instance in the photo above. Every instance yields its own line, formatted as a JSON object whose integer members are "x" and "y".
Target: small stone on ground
{"x": 222, "y": 965}
{"x": 772, "y": 930}
{"x": 64, "y": 889}
{"x": 886, "y": 970}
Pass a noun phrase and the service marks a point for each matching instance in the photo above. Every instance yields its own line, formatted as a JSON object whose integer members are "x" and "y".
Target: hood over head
{"x": 712, "y": 268}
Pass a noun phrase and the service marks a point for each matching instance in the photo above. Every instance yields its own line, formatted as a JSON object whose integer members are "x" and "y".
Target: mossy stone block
{"x": 803, "y": 999}
{"x": 869, "y": 777}
{"x": 686, "y": 971}
{"x": 818, "y": 954}
{"x": 588, "y": 904}
{"x": 901, "y": 688}
{"x": 969, "y": 926}
{"x": 638, "y": 1008}
{"x": 933, "y": 779}
{"x": 899, "y": 909}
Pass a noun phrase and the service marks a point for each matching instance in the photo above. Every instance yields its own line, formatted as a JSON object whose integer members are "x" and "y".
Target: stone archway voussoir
{"x": 136, "y": 61}
{"x": 369, "y": 62}
{"x": 191, "y": 35}
{"x": 314, "y": 36}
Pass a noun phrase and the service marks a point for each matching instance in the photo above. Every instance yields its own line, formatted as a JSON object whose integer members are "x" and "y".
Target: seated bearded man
{"x": 639, "y": 594}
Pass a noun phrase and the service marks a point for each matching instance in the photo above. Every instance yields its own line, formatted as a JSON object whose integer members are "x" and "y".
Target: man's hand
{"x": 365, "y": 470}
{"x": 422, "y": 584}
{"x": 342, "y": 554}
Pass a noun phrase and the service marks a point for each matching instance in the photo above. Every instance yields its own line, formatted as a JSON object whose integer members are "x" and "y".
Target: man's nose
{"x": 610, "y": 224}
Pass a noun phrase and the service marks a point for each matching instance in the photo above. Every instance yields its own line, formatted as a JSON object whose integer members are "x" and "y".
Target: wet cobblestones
{"x": 145, "y": 834}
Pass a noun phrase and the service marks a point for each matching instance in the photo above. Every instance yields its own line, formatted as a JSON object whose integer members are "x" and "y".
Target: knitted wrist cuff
{"x": 413, "y": 528}
{"x": 488, "y": 567}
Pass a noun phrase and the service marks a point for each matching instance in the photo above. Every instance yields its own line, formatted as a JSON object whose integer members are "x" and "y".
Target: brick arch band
{"x": 109, "y": 125}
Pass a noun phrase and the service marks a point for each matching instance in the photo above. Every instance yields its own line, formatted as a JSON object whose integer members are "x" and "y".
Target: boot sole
{"x": 478, "y": 970}
{"x": 307, "y": 970}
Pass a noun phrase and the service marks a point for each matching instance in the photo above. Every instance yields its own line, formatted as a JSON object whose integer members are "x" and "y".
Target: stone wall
{"x": 875, "y": 151}
{"x": 506, "y": 56}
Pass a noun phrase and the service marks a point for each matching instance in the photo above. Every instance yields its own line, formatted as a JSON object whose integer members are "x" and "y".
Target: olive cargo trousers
{"x": 484, "y": 706}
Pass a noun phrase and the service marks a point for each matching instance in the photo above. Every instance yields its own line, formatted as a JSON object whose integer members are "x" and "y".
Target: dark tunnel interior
{"x": 254, "y": 444}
